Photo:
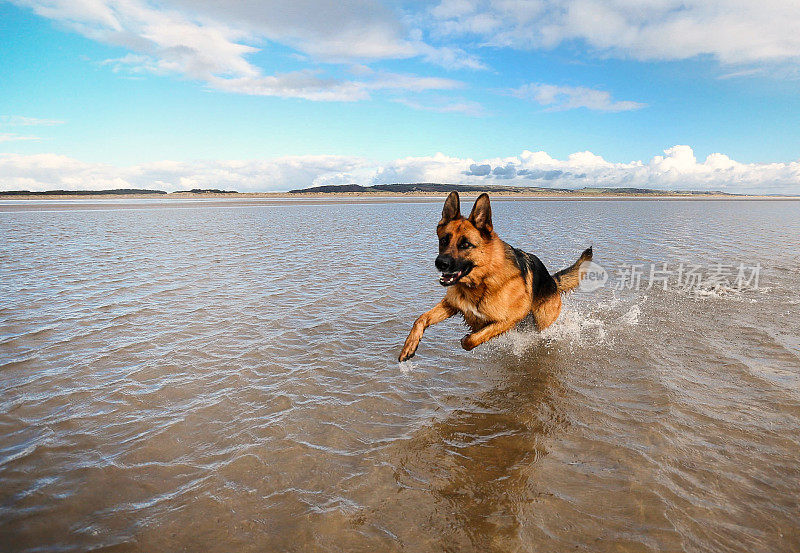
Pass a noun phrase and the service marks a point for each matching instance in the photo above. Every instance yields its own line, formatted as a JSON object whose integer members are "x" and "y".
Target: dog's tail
{"x": 568, "y": 279}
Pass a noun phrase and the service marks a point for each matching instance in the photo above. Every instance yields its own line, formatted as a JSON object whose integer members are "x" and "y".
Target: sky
{"x": 273, "y": 95}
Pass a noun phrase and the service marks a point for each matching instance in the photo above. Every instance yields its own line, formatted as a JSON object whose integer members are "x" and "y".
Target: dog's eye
{"x": 443, "y": 241}
{"x": 465, "y": 244}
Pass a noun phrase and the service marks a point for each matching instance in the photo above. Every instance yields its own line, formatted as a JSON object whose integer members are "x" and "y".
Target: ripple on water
{"x": 224, "y": 378}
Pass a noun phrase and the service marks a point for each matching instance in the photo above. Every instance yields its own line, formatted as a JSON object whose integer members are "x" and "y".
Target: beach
{"x": 382, "y": 196}
{"x": 221, "y": 374}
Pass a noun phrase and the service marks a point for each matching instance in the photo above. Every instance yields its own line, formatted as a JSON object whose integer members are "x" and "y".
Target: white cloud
{"x": 677, "y": 169}
{"x": 436, "y": 168}
{"x": 448, "y": 56}
{"x": 13, "y": 137}
{"x": 51, "y": 171}
{"x": 732, "y": 31}
{"x": 306, "y": 84}
{"x": 299, "y": 84}
{"x": 213, "y": 42}
{"x": 559, "y": 98}
{"x": 324, "y": 29}
{"x": 412, "y": 83}
{"x": 22, "y": 121}
{"x": 331, "y": 30}
{"x": 447, "y": 105}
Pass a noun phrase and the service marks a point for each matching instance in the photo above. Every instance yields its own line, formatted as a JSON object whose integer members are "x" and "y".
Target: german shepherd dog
{"x": 491, "y": 284}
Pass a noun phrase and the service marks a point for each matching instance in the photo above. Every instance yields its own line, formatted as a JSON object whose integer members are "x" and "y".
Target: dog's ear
{"x": 481, "y": 215}
{"x": 451, "y": 209}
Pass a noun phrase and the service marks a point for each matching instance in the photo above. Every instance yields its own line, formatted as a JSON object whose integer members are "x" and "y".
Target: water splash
{"x": 631, "y": 317}
{"x": 406, "y": 366}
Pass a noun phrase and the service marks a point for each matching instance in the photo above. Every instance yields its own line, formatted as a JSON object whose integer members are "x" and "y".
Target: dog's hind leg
{"x": 440, "y": 312}
{"x": 546, "y": 311}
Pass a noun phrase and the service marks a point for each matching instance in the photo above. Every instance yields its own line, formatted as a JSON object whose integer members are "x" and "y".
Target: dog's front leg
{"x": 440, "y": 312}
{"x": 488, "y": 332}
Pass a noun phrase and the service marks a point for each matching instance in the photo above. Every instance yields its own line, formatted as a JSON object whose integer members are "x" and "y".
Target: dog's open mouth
{"x": 447, "y": 279}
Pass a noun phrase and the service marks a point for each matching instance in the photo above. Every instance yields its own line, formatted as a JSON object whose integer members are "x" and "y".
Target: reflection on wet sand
{"x": 461, "y": 479}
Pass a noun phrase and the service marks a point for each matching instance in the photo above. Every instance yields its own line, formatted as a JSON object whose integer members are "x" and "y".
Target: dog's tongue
{"x": 449, "y": 277}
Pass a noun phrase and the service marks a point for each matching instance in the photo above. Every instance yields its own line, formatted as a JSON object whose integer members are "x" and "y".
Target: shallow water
{"x": 223, "y": 377}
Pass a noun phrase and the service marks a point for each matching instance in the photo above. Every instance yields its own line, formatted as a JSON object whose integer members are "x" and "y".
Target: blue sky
{"x": 281, "y": 94}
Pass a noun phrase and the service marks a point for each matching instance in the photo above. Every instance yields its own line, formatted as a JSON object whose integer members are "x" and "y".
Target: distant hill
{"x": 469, "y": 188}
{"x": 420, "y": 187}
{"x": 333, "y": 188}
{"x": 437, "y": 187}
{"x": 398, "y": 188}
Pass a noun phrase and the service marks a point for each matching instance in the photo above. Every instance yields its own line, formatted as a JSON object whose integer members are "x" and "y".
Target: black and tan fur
{"x": 490, "y": 283}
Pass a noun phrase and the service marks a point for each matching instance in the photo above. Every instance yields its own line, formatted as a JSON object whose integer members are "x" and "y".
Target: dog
{"x": 490, "y": 283}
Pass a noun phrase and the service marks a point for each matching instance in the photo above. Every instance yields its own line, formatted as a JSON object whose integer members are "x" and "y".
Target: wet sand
{"x": 560, "y": 195}
{"x": 190, "y": 200}
{"x": 220, "y": 375}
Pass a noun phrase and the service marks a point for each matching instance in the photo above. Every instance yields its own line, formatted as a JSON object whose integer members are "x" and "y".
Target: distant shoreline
{"x": 532, "y": 195}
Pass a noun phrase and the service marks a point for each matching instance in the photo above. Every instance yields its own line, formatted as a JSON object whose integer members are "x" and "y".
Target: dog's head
{"x": 464, "y": 242}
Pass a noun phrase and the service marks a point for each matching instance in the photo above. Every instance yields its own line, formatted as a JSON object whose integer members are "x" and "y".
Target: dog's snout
{"x": 445, "y": 263}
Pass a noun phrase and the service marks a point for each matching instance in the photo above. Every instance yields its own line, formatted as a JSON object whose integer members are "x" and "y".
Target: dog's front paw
{"x": 407, "y": 353}
{"x": 468, "y": 343}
